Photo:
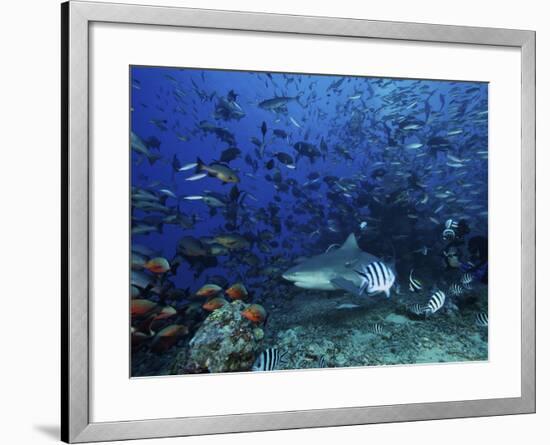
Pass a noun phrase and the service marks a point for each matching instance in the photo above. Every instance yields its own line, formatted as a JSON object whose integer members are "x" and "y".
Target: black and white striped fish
{"x": 482, "y": 319}
{"x": 376, "y": 328}
{"x": 414, "y": 284}
{"x": 451, "y": 224}
{"x": 268, "y": 360}
{"x": 322, "y": 362}
{"x": 416, "y": 309}
{"x": 456, "y": 290}
{"x": 376, "y": 277}
{"x": 467, "y": 279}
{"x": 437, "y": 300}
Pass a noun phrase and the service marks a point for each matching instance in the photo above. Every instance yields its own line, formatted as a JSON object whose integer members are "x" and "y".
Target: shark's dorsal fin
{"x": 351, "y": 243}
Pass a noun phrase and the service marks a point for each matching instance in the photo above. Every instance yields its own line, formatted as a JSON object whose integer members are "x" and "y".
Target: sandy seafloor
{"x": 309, "y": 327}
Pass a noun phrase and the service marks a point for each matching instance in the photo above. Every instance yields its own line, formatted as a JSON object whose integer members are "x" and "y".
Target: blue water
{"x": 385, "y": 167}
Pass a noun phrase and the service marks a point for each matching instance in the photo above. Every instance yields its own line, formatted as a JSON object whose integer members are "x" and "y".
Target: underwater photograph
{"x": 284, "y": 221}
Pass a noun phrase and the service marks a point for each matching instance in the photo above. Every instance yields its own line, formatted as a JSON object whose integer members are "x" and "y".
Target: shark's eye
{"x": 350, "y": 263}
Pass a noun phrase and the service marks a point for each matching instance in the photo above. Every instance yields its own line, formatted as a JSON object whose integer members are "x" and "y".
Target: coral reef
{"x": 226, "y": 342}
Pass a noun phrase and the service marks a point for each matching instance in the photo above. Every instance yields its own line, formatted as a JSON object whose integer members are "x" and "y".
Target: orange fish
{"x": 255, "y": 313}
{"x": 141, "y": 307}
{"x": 150, "y": 324}
{"x": 209, "y": 290}
{"x": 237, "y": 292}
{"x": 166, "y": 312}
{"x": 157, "y": 265}
{"x": 214, "y": 303}
{"x": 168, "y": 337}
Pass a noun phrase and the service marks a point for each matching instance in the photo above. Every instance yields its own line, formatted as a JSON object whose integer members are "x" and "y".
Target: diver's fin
{"x": 347, "y": 285}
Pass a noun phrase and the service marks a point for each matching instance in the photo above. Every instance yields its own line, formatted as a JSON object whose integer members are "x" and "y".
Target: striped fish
{"x": 376, "y": 328}
{"x": 416, "y": 309}
{"x": 268, "y": 360}
{"x": 437, "y": 300}
{"x": 322, "y": 362}
{"x": 456, "y": 290}
{"x": 482, "y": 319}
{"x": 414, "y": 284}
{"x": 467, "y": 280}
{"x": 377, "y": 277}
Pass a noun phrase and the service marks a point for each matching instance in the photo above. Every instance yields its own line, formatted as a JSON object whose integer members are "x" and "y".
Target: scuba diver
{"x": 454, "y": 233}
{"x": 455, "y": 230}
{"x": 477, "y": 248}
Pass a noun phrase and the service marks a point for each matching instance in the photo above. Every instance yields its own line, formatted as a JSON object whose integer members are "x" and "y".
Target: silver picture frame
{"x": 75, "y": 396}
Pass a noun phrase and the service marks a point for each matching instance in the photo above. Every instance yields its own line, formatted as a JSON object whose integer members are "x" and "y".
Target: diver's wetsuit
{"x": 458, "y": 241}
{"x": 478, "y": 247}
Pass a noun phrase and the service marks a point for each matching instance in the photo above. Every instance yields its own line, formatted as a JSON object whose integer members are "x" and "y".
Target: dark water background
{"x": 329, "y": 114}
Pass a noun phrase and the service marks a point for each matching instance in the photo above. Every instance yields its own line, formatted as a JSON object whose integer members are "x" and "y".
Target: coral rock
{"x": 226, "y": 342}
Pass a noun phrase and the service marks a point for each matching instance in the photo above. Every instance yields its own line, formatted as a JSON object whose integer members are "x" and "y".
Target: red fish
{"x": 209, "y": 290}
{"x": 155, "y": 319}
{"x": 214, "y": 303}
{"x": 168, "y": 337}
{"x": 166, "y": 312}
{"x": 255, "y": 313}
{"x": 157, "y": 265}
{"x": 141, "y": 307}
{"x": 237, "y": 292}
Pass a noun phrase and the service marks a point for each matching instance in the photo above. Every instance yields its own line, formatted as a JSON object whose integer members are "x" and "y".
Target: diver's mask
{"x": 449, "y": 234}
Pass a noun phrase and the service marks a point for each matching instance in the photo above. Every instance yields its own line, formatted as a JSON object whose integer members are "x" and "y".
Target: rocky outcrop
{"x": 226, "y": 342}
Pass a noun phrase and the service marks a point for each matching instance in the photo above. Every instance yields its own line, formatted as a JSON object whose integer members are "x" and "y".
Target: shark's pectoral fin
{"x": 347, "y": 285}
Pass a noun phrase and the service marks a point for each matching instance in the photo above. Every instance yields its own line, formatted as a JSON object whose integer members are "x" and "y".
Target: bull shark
{"x": 332, "y": 270}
